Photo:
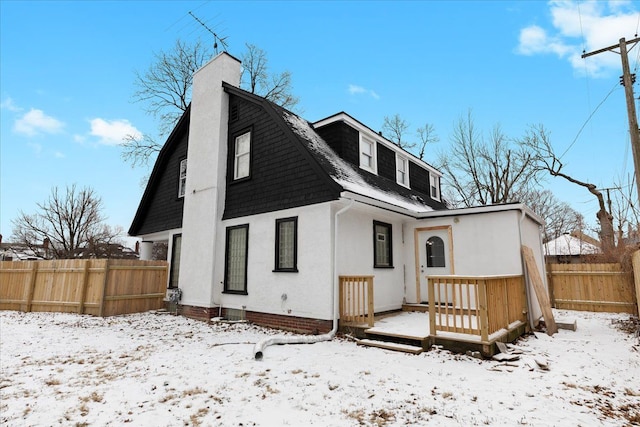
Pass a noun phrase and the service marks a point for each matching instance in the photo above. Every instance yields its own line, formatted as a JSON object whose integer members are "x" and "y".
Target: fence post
{"x": 483, "y": 318}
{"x": 635, "y": 261}
{"x": 432, "y": 307}
{"x": 105, "y": 282}
{"x": 370, "y": 307}
{"x": 83, "y": 289}
{"x": 32, "y": 285}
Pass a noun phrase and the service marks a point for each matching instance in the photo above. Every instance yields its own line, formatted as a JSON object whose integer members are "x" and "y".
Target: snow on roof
{"x": 569, "y": 245}
{"x": 346, "y": 174}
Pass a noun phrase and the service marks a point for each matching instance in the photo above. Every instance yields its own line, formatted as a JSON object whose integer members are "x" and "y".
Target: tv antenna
{"x": 216, "y": 39}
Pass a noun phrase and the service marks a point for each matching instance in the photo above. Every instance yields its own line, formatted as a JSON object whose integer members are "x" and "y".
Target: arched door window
{"x": 435, "y": 252}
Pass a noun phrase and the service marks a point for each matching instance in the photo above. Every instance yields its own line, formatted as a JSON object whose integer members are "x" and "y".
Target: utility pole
{"x": 627, "y": 82}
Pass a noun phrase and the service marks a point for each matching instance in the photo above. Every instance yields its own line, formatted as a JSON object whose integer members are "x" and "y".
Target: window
{"x": 435, "y": 186}
{"x": 382, "y": 242}
{"x": 176, "y": 248}
{"x": 242, "y": 159}
{"x": 235, "y": 272}
{"x": 182, "y": 181}
{"x": 286, "y": 244}
{"x": 401, "y": 171}
{"x": 367, "y": 154}
{"x": 435, "y": 252}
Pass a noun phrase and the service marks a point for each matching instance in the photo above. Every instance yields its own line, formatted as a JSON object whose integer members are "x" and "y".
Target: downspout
{"x": 258, "y": 349}
{"x": 524, "y": 267}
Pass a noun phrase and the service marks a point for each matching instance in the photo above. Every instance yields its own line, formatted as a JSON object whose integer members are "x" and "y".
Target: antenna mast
{"x": 216, "y": 38}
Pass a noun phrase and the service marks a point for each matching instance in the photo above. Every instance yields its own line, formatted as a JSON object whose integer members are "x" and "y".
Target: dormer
{"x": 368, "y": 150}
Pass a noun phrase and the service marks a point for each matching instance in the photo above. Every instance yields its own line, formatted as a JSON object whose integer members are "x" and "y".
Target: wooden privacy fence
{"x": 356, "y": 300}
{"x": 100, "y": 287}
{"x": 475, "y": 305}
{"x": 592, "y": 287}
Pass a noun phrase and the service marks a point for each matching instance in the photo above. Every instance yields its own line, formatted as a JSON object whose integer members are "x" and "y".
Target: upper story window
{"x": 402, "y": 170}
{"x": 434, "y": 181}
{"x": 182, "y": 181}
{"x": 242, "y": 156}
{"x": 367, "y": 154}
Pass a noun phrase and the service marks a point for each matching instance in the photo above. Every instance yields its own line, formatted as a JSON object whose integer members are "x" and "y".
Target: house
{"x": 264, "y": 213}
{"x": 571, "y": 248}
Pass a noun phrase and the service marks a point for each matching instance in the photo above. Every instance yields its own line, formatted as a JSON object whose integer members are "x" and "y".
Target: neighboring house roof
{"x": 569, "y": 245}
{"x": 20, "y": 252}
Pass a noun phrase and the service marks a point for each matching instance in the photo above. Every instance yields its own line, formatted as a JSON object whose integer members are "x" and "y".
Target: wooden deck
{"x": 408, "y": 331}
{"x": 464, "y": 313}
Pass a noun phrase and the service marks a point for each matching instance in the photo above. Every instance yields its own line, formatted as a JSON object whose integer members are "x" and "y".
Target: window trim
{"x": 405, "y": 161}
{"x": 182, "y": 181}
{"x": 172, "y": 266}
{"x": 249, "y": 153}
{"x": 439, "y": 256}
{"x": 277, "y": 268}
{"x": 389, "y": 228}
{"x": 433, "y": 178}
{"x": 374, "y": 149}
{"x": 226, "y": 289}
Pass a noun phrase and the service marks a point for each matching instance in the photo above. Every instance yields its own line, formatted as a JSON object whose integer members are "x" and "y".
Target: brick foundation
{"x": 288, "y": 323}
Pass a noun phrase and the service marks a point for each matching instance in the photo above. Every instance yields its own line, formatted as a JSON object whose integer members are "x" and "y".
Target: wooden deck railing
{"x": 475, "y": 305}
{"x": 356, "y": 300}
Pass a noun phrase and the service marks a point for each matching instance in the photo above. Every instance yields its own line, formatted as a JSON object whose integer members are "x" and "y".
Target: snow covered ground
{"x": 161, "y": 370}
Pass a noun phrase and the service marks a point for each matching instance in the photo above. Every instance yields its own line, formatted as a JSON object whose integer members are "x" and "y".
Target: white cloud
{"x": 58, "y": 155}
{"x": 35, "y": 122}
{"x": 8, "y": 104}
{"x": 113, "y": 132}
{"x": 587, "y": 26}
{"x": 359, "y": 90}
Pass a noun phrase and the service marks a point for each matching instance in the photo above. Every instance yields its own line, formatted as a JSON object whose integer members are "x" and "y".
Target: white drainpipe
{"x": 258, "y": 349}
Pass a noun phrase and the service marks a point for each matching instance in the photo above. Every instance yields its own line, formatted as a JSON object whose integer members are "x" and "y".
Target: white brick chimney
{"x": 206, "y": 179}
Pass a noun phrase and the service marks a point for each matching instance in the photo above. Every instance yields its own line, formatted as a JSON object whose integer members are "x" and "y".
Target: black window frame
{"x": 433, "y": 258}
{"x": 226, "y": 289}
{"x": 389, "y": 240}
{"x": 277, "y": 267}
{"x": 175, "y": 237}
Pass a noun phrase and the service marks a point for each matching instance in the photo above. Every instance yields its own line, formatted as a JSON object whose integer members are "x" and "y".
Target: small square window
{"x": 382, "y": 245}
{"x": 182, "y": 182}
{"x": 242, "y": 156}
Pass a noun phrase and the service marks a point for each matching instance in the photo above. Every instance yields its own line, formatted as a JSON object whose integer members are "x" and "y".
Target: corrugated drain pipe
{"x": 258, "y": 349}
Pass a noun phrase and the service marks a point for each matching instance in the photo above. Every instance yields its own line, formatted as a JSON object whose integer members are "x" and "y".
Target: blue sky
{"x": 67, "y": 73}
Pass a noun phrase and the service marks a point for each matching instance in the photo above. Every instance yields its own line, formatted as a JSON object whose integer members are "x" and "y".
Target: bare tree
{"x": 626, "y": 214}
{"x": 559, "y": 217}
{"x": 537, "y": 139}
{"x": 427, "y": 135}
{"x": 257, "y": 79}
{"x": 484, "y": 172}
{"x": 65, "y": 224}
{"x": 394, "y": 129}
{"x": 165, "y": 91}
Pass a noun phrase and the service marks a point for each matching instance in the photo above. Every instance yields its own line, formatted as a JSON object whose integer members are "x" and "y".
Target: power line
{"x": 588, "y": 119}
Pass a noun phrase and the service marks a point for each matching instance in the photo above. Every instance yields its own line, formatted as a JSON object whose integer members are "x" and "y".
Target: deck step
{"x": 391, "y": 346}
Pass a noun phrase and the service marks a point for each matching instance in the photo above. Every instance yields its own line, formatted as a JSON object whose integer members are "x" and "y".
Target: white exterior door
{"x": 434, "y": 257}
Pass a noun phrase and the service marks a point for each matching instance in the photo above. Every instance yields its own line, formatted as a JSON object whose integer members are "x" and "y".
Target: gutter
{"x": 258, "y": 349}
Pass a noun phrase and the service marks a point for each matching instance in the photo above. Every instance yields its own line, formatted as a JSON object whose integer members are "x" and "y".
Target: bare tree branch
{"x": 67, "y": 223}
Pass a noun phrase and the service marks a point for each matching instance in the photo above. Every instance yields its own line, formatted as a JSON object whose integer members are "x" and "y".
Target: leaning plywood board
{"x": 541, "y": 292}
